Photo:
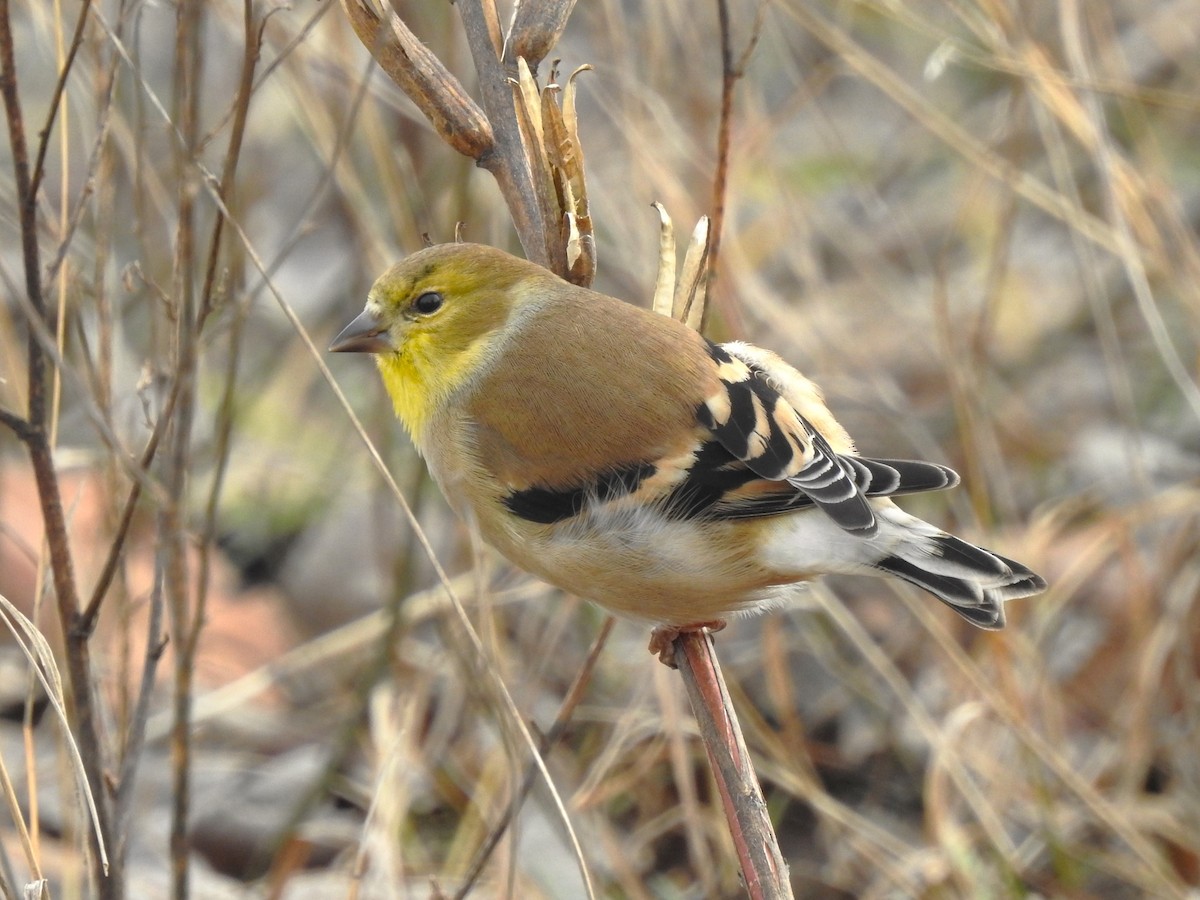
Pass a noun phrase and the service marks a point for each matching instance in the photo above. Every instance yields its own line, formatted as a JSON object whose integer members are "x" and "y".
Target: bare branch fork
{"x": 505, "y": 136}
{"x": 531, "y": 146}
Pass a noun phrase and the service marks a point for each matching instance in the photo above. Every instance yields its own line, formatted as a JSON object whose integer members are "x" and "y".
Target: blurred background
{"x": 973, "y": 223}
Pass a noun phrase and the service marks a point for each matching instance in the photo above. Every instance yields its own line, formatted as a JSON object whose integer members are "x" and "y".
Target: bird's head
{"x": 435, "y": 318}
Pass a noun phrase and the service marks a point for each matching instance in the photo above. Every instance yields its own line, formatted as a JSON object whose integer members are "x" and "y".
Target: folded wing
{"x": 765, "y": 458}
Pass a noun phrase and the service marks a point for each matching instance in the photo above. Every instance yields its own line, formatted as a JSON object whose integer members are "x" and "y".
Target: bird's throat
{"x": 420, "y": 382}
{"x": 406, "y": 386}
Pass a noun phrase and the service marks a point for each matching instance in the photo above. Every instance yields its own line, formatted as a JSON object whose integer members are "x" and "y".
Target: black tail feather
{"x": 892, "y": 477}
{"x": 972, "y": 581}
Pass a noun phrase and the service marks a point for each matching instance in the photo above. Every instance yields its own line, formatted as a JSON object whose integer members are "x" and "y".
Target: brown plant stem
{"x": 507, "y": 160}
{"x": 763, "y": 867}
{"x": 724, "y": 129}
{"x": 173, "y": 527}
{"x": 32, "y": 431}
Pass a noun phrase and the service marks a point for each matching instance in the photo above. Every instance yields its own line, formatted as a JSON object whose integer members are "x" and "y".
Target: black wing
{"x": 720, "y": 486}
{"x": 750, "y": 419}
{"x": 765, "y": 458}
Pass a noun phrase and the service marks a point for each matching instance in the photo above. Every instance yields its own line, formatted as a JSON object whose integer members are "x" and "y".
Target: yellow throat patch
{"x": 421, "y": 376}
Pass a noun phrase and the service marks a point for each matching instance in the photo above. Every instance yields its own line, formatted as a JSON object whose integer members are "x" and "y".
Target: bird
{"x": 623, "y": 457}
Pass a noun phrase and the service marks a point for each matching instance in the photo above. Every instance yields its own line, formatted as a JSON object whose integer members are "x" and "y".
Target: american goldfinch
{"x": 621, "y": 456}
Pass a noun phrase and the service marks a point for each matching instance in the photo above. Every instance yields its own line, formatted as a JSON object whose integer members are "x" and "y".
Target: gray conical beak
{"x": 366, "y": 334}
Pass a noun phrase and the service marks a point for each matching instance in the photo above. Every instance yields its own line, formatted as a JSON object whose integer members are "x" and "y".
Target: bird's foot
{"x": 662, "y": 638}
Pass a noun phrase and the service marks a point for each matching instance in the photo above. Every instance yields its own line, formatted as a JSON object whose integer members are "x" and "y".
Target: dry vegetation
{"x": 974, "y": 222}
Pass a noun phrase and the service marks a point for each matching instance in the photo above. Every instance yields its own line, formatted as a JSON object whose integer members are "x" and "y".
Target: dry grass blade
{"x": 873, "y": 841}
{"x": 43, "y": 665}
{"x": 18, "y": 817}
{"x": 691, "y": 294}
{"x": 566, "y": 710}
{"x": 1025, "y": 184}
{"x": 1154, "y": 872}
{"x": 340, "y": 645}
{"x": 395, "y": 724}
{"x": 982, "y": 806}
{"x": 1135, "y": 230}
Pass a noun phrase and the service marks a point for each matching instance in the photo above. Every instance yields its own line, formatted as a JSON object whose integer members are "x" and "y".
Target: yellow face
{"x": 432, "y": 320}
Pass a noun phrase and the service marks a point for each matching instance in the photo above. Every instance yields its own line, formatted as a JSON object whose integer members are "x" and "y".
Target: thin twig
{"x": 731, "y": 72}
{"x": 15, "y": 423}
{"x": 91, "y": 612}
{"x": 173, "y": 529}
{"x": 724, "y": 127}
{"x": 233, "y": 153}
{"x": 60, "y": 85}
{"x": 135, "y": 733}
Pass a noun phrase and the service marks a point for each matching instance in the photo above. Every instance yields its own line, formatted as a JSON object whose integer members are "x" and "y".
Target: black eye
{"x": 429, "y": 302}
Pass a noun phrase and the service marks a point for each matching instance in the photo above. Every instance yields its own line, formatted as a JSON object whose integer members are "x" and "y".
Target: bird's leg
{"x": 662, "y": 638}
